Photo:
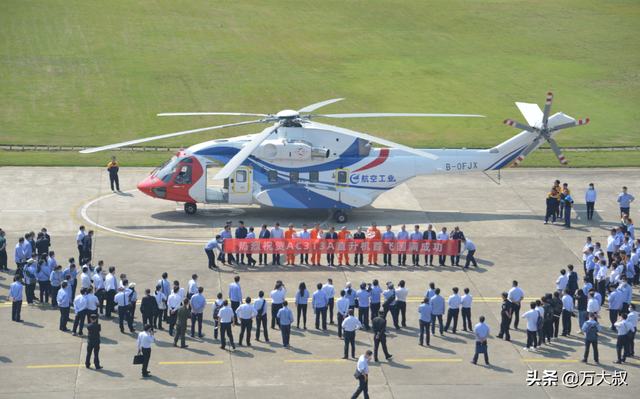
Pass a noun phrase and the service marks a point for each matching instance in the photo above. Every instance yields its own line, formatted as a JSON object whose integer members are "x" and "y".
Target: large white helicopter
{"x": 298, "y": 163}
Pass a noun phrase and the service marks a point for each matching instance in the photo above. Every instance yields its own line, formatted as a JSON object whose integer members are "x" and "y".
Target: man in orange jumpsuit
{"x": 315, "y": 234}
{"x": 289, "y": 235}
{"x": 373, "y": 234}
{"x": 344, "y": 234}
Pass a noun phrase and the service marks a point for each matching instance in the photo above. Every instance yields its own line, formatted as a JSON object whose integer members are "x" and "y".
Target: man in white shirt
{"x": 401, "y": 302}
{"x": 331, "y": 292}
{"x": 465, "y": 303}
{"x": 79, "y": 306}
{"x": 276, "y": 234}
{"x": 85, "y": 278}
{"x": 304, "y": 235}
{"x": 363, "y": 379}
{"x": 593, "y": 305}
{"x": 192, "y": 286}
{"x": 145, "y": 339}
{"x": 515, "y": 296}
{"x": 613, "y": 244}
{"x": 567, "y": 313}
{"x": 110, "y": 287}
{"x": 532, "y": 327}
{"x": 225, "y": 318}
{"x": 632, "y": 318}
{"x": 561, "y": 282}
{"x": 443, "y": 235}
{"x": 246, "y": 312}
{"x": 454, "y": 302}
{"x": 173, "y": 303}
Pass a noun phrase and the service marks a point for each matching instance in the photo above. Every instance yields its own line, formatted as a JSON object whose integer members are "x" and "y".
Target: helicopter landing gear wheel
{"x": 340, "y": 217}
{"x": 190, "y": 208}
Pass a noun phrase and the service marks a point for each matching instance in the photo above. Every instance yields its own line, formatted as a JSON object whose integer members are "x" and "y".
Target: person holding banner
{"x": 290, "y": 234}
{"x": 264, "y": 234}
{"x": 469, "y": 245}
{"x": 316, "y": 233}
{"x": 331, "y": 235}
{"x": 403, "y": 234}
{"x": 388, "y": 235}
{"x": 443, "y": 235}
{"x": 276, "y": 234}
{"x": 358, "y": 256}
{"x": 344, "y": 234}
{"x": 373, "y": 234}
{"x": 304, "y": 235}
{"x": 416, "y": 235}
{"x": 429, "y": 234}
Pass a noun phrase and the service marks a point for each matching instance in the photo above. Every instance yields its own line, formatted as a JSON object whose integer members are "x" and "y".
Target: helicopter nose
{"x": 145, "y": 186}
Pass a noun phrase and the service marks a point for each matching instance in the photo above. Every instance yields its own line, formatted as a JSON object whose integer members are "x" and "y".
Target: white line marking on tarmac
{"x": 25, "y": 211}
{"x": 513, "y": 211}
{"x": 443, "y": 211}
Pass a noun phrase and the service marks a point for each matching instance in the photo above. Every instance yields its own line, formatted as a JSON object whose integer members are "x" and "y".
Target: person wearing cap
{"x": 192, "y": 286}
{"x": 437, "y": 310}
{"x": 390, "y": 304}
{"x": 481, "y": 332}
{"x": 15, "y": 294}
{"x": 246, "y": 312}
{"x": 425, "y": 321}
{"x": 319, "y": 303}
{"x": 364, "y": 296}
{"x": 149, "y": 308}
{"x": 285, "y": 315}
{"x": 241, "y": 234}
{"x": 182, "y": 315}
{"x": 342, "y": 304}
{"x": 93, "y": 342}
{"x": 350, "y": 325}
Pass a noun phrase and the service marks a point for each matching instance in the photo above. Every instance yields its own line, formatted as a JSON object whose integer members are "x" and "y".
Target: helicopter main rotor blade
{"x": 376, "y": 140}
{"x": 209, "y": 113}
{"x": 570, "y": 124}
{"x": 557, "y": 151}
{"x": 315, "y": 106}
{"x": 547, "y": 108}
{"x": 380, "y": 115}
{"x": 527, "y": 151}
{"x": 244, "y": 153}
{"x": 164, "y": 136}
{"x": 519, "y": 125}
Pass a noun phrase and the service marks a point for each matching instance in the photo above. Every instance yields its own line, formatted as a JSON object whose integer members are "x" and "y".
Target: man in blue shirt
{"x": 591, "y": 328}
{"x": 241, "y": 233}
{"x": 437, "y": 310}
{"x": 286, "y": 319}
{"x": 625, "y": 199}
{"x": 388, "y": 235}
{"x": 403, "y": 234}
{"x": 197, "y": 304}
{"x": 15, "y": 293}
{"x": 416, "y": 235}
{"x": 208, "y": 249}
{"x": 471, "y": 247}
{"x": 425, "y": 321}
{"x": 235, "y": 296}
{"x": 319, "y": 303}
{"x": 376, "y": 291}
{"x": 481, "y": 332}
{"x": 225, "y": 235}
{"x": 615, "y": 304}
{"x": 363, "y": 295}
{"x": 251, "y": 236}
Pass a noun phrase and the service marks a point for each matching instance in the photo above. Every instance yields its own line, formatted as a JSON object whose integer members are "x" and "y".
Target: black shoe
{"x": 473, "y": 362}
{"x": 344, "y": 357}
{"x": 99, "y": 367}
{"x": 617, "y": 362}
{"x": 388, "y": 357}
{"x": 175, "y": 345}
{"x": 184, "y": 346}
{"x": 87, "y": 366}
{"x": 234, "y": 347}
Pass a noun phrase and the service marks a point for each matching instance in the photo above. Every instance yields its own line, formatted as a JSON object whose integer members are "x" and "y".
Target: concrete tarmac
{"x": 144, "y": 237}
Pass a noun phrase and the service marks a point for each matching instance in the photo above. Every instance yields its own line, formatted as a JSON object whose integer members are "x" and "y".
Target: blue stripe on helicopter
{"x": 301, "y": 198}
{"x": 512, "y": 154}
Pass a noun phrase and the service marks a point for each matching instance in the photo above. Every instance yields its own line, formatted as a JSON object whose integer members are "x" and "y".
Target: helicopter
{"x": 299, "y": 163}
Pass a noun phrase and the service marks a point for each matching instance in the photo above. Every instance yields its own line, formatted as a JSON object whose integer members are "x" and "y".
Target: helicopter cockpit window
{"x": 184, "y": 176}
{"x": 294, "y": 176}
{"x": 314, "y": 176}
{"x": 167, "y": 171}
{"x": 273, "y": 176}
{"x": 342, "y": 177}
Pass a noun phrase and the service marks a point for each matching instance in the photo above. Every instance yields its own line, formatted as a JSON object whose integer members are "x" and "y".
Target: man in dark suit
{"x": 572, "y": 283}
{"x": 87, "y": 242}
{"x": 93, "y": 342}
{"x": 359, "y": 257}
{"x": 241, "y": 233}
{"x": 264, "y": 234}
{"x": 148, "y": 307}
{"x": 331, "y": 235}
{"x": 429, "y": 234}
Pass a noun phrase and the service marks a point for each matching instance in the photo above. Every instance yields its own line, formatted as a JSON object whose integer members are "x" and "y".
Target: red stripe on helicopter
{"x": 384, "y": 154}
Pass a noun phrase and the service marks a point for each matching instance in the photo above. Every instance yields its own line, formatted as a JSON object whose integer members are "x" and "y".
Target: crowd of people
{"x": 241, "y": 232}
{"x": 93, "y": 292}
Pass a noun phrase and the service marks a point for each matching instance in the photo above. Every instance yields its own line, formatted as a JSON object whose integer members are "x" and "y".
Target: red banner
{"x": 321, "y": 246}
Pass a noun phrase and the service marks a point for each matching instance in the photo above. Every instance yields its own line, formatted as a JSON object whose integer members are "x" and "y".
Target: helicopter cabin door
{"x": 240, "y": 186}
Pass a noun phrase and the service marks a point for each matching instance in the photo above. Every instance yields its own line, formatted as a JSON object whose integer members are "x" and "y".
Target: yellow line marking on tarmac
{"x": 432, "y": 360}
{"x": 51, "y": 366}
{"x": 201, "y": 362}
{"x": 549, "y": 360}
{"x": 314, "y": 360}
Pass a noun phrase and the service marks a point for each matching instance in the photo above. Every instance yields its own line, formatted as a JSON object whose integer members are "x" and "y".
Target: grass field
{"x": 93, "y": 73}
